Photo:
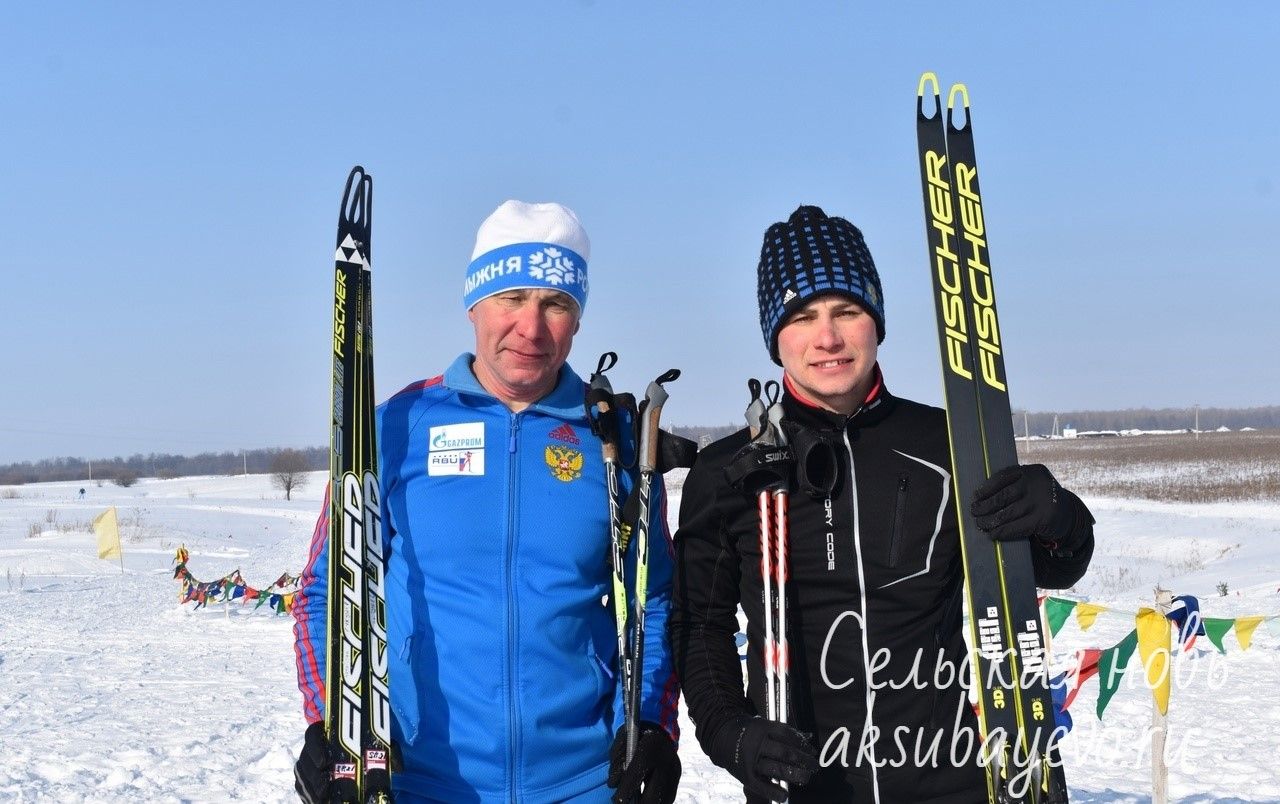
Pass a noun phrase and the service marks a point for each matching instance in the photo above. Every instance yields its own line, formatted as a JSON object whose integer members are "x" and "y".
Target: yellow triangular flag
{"x": 1244, "y": 630}
{"x": 1086, "y": 613}
{"x": 1153, "y": 647}
{"x": 108, "y": 530}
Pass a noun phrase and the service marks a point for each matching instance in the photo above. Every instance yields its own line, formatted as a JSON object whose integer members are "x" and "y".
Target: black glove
{"x": 312, "y": 770}
{"x": 757, "y": 751}
{"x": 655, "y": 766}
{"x": 1019, "y": 502}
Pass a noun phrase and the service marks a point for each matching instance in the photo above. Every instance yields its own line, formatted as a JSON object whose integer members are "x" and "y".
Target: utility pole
{"x": 1026, "y": 429}
{"x": 245, "y": 458}
{"x": 1197, "y": 421}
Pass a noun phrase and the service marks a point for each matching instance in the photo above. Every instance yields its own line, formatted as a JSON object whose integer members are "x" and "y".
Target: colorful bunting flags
{"x": 1057, "y": 611}
{"x": 1086, "y": 613}
{"x": 233, "y": 587}
{"x": 1153, "y": 647}
{"x": 1111, "y": 666}
{"x": 1273, "y": 623}
{"x": 1084, "y": 668}
{"x": 1151, "y": 638}
{"x": 1216, "y": 628}
{"x": 1185, "y": 613}
{"x": 1244, "y": 630}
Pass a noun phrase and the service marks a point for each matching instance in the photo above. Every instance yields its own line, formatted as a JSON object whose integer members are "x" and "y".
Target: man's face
{"x": 828, "y": 349}
{"x": 523, "y": 337}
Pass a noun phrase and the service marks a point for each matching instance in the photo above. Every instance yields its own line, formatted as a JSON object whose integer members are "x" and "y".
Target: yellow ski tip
{"x": 928, "y": 77}
{"x": 958, "y": 89}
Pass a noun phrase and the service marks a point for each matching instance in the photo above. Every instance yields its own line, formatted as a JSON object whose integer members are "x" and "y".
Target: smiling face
{"x": 828, "y": 349}
{"x": 523, "y": 338}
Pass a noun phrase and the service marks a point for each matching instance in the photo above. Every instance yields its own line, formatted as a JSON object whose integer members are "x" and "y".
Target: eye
{"x": 558, "y": 304}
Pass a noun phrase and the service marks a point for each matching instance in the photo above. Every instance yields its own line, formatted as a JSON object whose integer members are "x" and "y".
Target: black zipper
{"x": 899, "y": 514}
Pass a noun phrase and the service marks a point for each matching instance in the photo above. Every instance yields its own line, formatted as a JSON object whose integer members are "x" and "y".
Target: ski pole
{"x": 763, "y": 468}
{"x": 766, "y": 423}
{"x": 781, "y": 503}
{"x": 604, "y": 423}
{"x": 650, "y": 413}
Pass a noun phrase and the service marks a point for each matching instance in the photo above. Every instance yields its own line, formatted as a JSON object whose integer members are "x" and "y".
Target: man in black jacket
{"x": 877, "y": 657}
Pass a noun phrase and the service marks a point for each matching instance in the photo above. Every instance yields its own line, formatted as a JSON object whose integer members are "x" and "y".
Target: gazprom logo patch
{"x": 458, "y": 436}
{"x": 456, "y": 449}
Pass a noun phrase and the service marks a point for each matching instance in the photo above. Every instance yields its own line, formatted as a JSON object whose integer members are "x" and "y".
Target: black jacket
{"x": 875, "y": 576}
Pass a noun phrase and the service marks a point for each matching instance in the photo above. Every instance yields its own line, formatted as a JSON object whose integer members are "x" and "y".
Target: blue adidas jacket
{"x": 503, "y": 668}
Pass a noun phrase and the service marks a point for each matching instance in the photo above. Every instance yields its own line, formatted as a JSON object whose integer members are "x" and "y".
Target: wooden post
{"x": 1159, "y": 722}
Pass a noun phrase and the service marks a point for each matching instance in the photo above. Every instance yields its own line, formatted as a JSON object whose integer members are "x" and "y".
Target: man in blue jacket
{"x": 503, "y": 666}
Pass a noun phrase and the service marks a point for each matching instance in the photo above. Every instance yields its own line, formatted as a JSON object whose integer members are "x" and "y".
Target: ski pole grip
{"x": 655, "y": 397}
{"x": 609, "y": 430}
{"x": 775, "y": 415}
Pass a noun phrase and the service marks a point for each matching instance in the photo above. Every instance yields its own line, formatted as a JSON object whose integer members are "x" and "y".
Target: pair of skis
{"x": 1009, "y": 659}
{"x": 357, "y": 706}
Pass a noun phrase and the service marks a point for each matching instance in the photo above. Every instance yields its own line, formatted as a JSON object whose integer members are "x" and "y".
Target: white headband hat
{"x": 523, "y": 245}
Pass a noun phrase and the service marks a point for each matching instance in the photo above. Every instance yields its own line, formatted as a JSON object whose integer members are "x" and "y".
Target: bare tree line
{"x": 1041, "y": 422}
{"x": 254, "y": 461}
{"x": 260, "y": 461}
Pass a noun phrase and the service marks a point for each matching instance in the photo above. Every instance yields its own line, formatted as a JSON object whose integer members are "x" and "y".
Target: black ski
{"x": 1009, "y": 662}
{"x": 357, "y": 708}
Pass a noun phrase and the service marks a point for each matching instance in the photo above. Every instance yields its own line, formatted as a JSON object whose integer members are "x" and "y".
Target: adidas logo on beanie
{"x": 811, "y": 254}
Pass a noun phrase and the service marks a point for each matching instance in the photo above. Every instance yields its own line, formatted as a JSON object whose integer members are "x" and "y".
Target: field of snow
{"x": 115, "y": 692}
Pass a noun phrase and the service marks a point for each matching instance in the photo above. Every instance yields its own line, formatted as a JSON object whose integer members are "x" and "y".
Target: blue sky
{"x": 173, "y": 173}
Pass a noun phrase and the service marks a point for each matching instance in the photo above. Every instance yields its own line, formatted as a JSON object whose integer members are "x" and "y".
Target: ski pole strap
{"x": 755, "y": 409}
{"x": 766, "y": 462}
{"x": 760, "y": 467}
{"x": 816, "y": 466}
{"x": 602, "y": 406}
{"x": 675, "y": 452}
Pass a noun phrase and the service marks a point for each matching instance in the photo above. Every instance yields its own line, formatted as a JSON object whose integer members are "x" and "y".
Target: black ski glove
{"x": 655, "y": 767}
{"x": 1020, "y": 502}
{"x": 756, "y": 751}
{"x": 311, "y": 771}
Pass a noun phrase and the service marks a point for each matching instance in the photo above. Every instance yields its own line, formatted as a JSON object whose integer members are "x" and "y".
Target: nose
{"x": 827, "y": 335}
{"x": 530, "y": 323}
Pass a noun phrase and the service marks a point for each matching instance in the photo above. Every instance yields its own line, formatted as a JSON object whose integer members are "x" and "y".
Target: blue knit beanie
{"x": 807, "y": 255}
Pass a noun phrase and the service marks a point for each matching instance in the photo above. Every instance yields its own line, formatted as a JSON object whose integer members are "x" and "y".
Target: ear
{"x": 471, "y": 315}
{"x": 577, "y": 325}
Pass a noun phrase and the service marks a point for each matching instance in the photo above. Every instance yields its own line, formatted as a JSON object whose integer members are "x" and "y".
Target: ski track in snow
{"x": 114, "y": 692}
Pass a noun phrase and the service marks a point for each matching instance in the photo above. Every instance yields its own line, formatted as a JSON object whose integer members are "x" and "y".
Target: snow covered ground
{"x": 114, "y": 692}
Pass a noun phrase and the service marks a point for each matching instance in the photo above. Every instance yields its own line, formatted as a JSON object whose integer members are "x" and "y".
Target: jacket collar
{"x": 564, "y": 402}
{"x": 808, "y": 413}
